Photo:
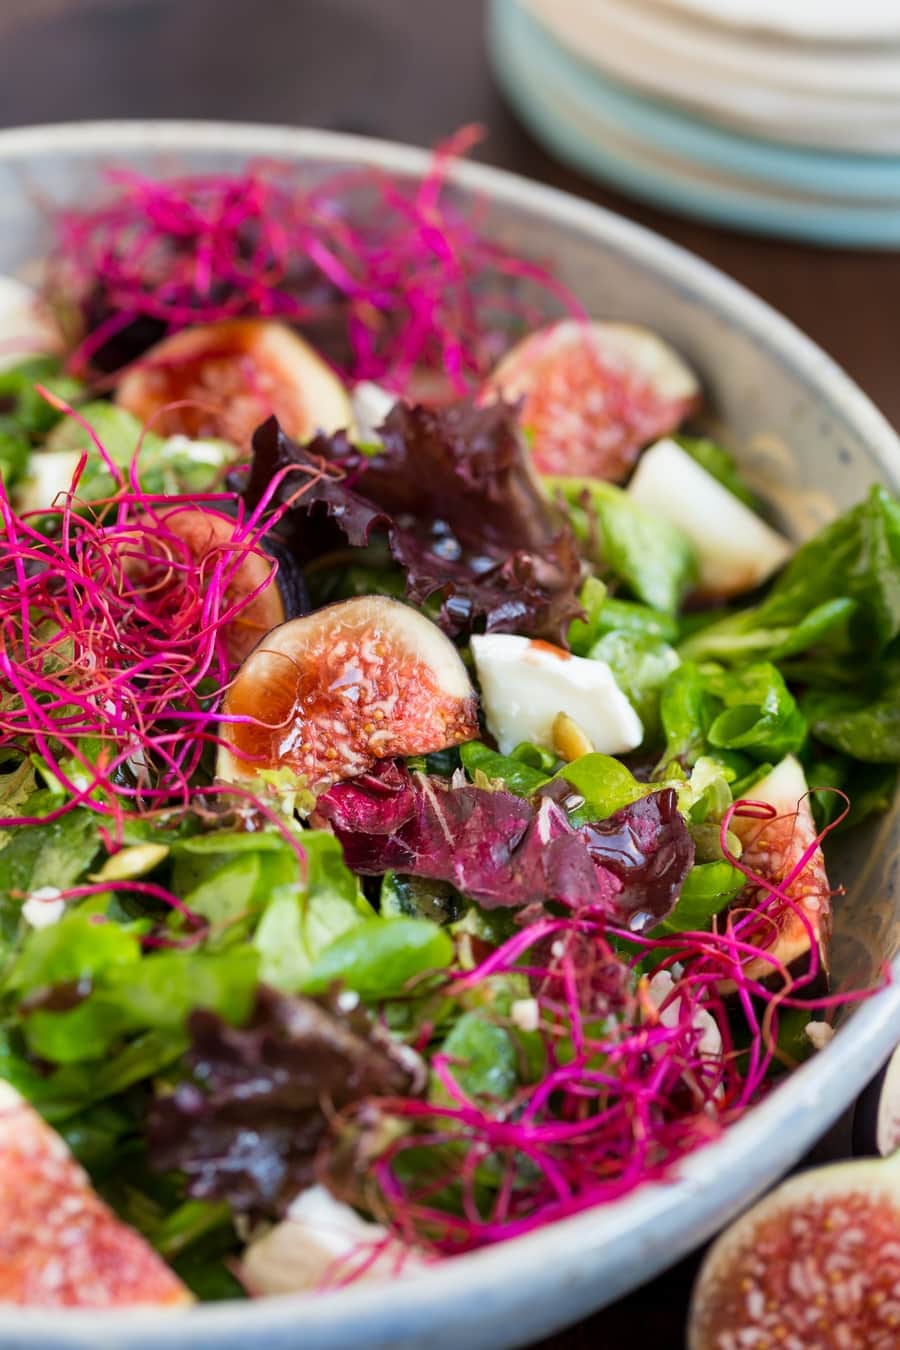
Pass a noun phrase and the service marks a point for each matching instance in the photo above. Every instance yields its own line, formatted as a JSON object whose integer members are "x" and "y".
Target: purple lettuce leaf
{"x": 316, "y": 478}
{"x": 454, "y": 494}
{"x": 648, "y": 847}
{"x": 503, "y": 850}
{"x": 248, "y": 1123}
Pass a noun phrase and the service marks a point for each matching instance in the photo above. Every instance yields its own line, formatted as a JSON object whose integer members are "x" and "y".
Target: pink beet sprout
{"x": 115, "y": 642}
{"x": 405, "y": 272}
{"x": 649, "y": 1047}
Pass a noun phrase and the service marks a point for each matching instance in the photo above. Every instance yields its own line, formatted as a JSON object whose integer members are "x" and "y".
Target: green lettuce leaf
{"x": 167, "y": 465}
{"x": 483, "y": 1059}
{"x": 515, "y": 771}
{"x": 379, "y": 958}
{"x": 863, "y": 722}
{"x": 709, "y": 710}
{"x": 641, "y": 665}
{"x": 708, "y": 888}
{"x": 653, "y": 558}
{"x": 716, "y": 460}
{"x": 606, "y": 784}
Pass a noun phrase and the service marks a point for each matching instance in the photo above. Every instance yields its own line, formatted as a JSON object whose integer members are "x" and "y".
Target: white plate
{"x": 810, "y": 20}
{"x": 828, "y": 100}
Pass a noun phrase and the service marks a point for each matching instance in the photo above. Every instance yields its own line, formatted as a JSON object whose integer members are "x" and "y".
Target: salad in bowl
{"x": 419, "y": 748}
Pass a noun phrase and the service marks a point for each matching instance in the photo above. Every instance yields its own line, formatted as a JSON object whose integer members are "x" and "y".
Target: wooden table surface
{"x": 412, "y": 70}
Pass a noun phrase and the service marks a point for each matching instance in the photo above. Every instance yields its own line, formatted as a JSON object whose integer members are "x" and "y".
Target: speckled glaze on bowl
{"x": 803, "y": 429}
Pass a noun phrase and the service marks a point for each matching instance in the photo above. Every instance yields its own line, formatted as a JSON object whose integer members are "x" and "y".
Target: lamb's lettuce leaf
{"x": 380, "y": 957}
{"x": 518, "y": 772}
{"x": 708, "y": 888}
{"x": 25, "y": 415}
{"x": 168, "y": 465}
{"x": 862, "y": 721}
{"x": 641, "y": 666}
{"x": 652, "y": 557}
{"x": 839, "y": 593}
{"x": 707, "y": 709}
{"x": 82, "y": 985}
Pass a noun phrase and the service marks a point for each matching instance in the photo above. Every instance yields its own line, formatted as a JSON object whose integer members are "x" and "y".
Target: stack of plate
{"x": 775, "y": 115}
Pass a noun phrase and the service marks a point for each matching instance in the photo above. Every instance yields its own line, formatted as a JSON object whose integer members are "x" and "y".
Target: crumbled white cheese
{"x": 525, "y": 684}
{"x": 371, "y": 405}
{"x": 818, "y": 1034}
{"x": 526, "y": 1014}
{"x": 319, "y": 1241}
{"x": 44, "y": 907}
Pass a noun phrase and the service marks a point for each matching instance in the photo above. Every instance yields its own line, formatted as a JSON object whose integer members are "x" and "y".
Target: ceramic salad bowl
{"x": 811, "y": 442}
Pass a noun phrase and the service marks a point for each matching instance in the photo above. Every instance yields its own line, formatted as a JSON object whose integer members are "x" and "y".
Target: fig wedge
{"x": 594, "y": 394}
{"x": 814, "y": 1266}
{"x": 772, "y": 848}
{"x": 736, "y": 550}
{"x": 60, "y": 1247}
{"x": 208, "y": 535}
{"x": 230, "y": 377}
{"x": 329, "y": 695}
{"x": 876, "y": 1118}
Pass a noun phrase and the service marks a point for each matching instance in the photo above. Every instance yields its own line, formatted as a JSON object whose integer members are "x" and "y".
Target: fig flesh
{"x": 228, "y": 378}
{"x": 814, "y": 1266}
{"x": 208, "y": 536}
{"x": 594, "y": 394}
{"x": 330, "y": 694}
{"x": 771, "y": 849}
{"x": 60, "y": 1246}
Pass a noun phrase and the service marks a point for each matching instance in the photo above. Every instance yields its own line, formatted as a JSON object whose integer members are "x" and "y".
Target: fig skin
{"x": 771, "y": 848}
{"x": 234, "y": 375}
{"x": 876, "y": 1118}
{"x": 814, "y": 1266}
{"x": 332, "y": 693}
{"x": 593, "y": 395}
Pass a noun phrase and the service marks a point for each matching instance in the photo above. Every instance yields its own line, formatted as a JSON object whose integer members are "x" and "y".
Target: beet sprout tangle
{"x": 648, "y": 1047}
{"x": 115, "y": 639}
{"x": 403, "y": 271}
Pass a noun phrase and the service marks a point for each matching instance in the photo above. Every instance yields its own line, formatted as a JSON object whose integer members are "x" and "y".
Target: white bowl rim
{"x": 735, "y": 1158}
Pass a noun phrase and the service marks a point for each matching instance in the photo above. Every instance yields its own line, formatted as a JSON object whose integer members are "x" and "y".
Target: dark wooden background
{"x": 412, "y": 70}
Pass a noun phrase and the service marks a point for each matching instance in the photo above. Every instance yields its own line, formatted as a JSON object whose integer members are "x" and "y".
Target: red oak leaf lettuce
{"x": 503, "y": 850}
{"x": 452, "y": 491}
{"x": 247, "y": 1125}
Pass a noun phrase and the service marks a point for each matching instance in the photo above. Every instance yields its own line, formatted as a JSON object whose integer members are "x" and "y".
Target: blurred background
{"x": 578, "y": 74}
{"x": 769, "y": 164}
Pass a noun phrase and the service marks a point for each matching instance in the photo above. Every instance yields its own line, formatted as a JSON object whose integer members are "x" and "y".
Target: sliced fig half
{"x": 815, "y": 1266}
{"x": 771, "y": 849}
{"x": 594, "y": 394}
{"x": 60, "y": 1246}
{"x": 329, "y": 695}
{"x": 229, "y": 378}
{"x": 208, "y": 534}
{"x": 876, "y": 1118}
